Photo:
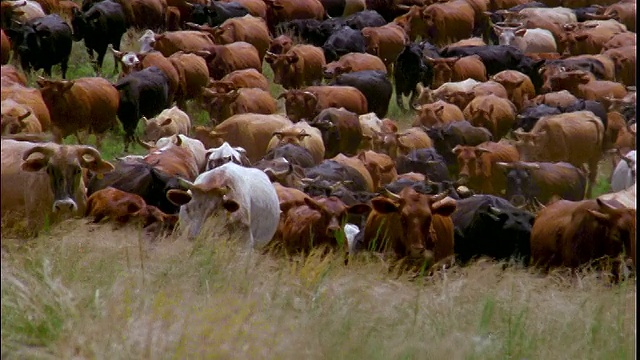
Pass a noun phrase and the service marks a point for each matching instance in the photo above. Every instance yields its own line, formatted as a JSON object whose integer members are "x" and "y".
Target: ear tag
{"x": 100, "y": 176}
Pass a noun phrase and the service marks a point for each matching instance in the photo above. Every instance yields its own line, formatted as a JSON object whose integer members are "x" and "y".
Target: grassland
{"x": 82, "y": 291}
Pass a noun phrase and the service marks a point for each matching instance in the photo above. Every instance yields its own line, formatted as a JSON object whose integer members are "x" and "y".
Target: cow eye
{"x": 49, "y": 170}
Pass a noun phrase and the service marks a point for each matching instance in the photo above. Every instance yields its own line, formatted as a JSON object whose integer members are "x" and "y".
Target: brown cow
{"x": 256, "y": 7}
{"x": 221, "y": 106}
{"x": 588, "y": 39}
{"x": 286, "y": 10}
{"x": 457, "y": 69}
{"x": 11, "y": 75}
{"x": 386, "y": 42}
{"x": 341, "y": 131}
{"x": 437, "y": 113}
{"x": 31, "y": 98}
{"x": 357, "y": 164}
{"x": 624, "y": 59}
{"x": 401, "y": 143}
{"x": 173, "y": 41}
{"x": 146, "y": 14}
{"x": 131, "y": 62}
{"x": 174, "y": 160}
{"x": 250, "y": 29}
{"x": 301, "y": 134}
{"x": 624, "y": 12}
{"x": 246, "y": 78}
{"x": 494, "y": 113}
{"x": 518, "y": 86}
{"x": 585, "y": 86}
{"x": 300, "y": 66}
{"x": 122, "y": 207}
{"x": 308, "y": 102}
{"x": 17, "y": 118}
{"x": 289, "y": 198}
{"x": 574, "y": 137}
{"x": 41, "y": 181}
{"x": 477, "y": 165}
{"x": 193, "y": 75}
{"x": 381, "y": 167}
{"x": 280, "y": 45}
{"x": 172, "y": 19}
{"x": 557, "y": 98}
{"x": 353, "y": 62}
{"x": 252, "y": 132}
{"x": 442, "y": 22}
{"x": 411, "y": 224}
{"x": 619, "y": 40}
{"x": 5, "y": 52}
{"x": 317, "y": 223}
{"x": 568, "y": 233}
{"x": 87, "y": 103}
{"x": 224, "y": 59}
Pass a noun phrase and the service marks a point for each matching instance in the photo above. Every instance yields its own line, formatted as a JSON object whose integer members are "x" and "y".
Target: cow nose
{"x": 518, "y": 200}
{"x": 65, "y": 205}
{"x": 416, "y": 251}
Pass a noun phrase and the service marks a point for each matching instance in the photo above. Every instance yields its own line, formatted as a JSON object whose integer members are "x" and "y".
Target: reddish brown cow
{"x": 174, "y": 160}
{"x": 437, "y": 113}
{"x": 193, "y": 74}
{"x": 122, "y": 207}
{"x": 574, "y": 137}
{"x": 619, "y": 40}
{"x": 173, "y": 41}
{"x": 386, "y": 42}
{"x": 256, "y": 7}
{"x": 29, "y": 97}
{"x": 457, "y": 69}
{"x": 250, "y": 29}
{"x": 146, "y": 14}
{"x": 286, "y": 10}
{"x": 224, "y": 59}
{"x": 245, "y": 100}
{"x": 585, "y": 40}
{"x": 624, "y": 12}
{"x": 624, "y": 59}
{"x": 252, "y": 132}
{"x": 88, "y": 103}
{"x": 298, "y": 67}
{"x": 442, "y": 22}
{"x": 308, "y": 102}
{"x": 353, "y": 62}
{"x": 172, "y": 19}
{"x": 301, "y": 134}
{"x": 518, "y": 86}
{"x": 11, "y": 75}
{"x": 17, "y": 118}
{"x": 317, "y": 223}
{"x": 289, "y": 198}
{"x": 568, "y": 233}
{"x": 381, "y": 167}
{"x": 401, "y": 143}
{"x": 584, "y": 86}
{"x": 477, "y": 165}
{"x": 355, "y": 163}
{"x": 494, "y": 113}
{"x": 557, "y": 98}
{"x": 246, "y": 78}
{"x": 411, "y": 224}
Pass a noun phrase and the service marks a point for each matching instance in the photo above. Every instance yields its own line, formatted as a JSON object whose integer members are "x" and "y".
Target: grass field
{"x": 82, "y": 291}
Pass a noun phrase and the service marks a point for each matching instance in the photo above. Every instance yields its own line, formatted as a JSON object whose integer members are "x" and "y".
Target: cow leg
{"x": 63, "y": 67}
{"x": 100, "y": 61}
{"x": 593, "y": 175}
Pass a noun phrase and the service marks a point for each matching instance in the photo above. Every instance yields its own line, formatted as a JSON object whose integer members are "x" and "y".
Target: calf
{"x": 122, "y": 207}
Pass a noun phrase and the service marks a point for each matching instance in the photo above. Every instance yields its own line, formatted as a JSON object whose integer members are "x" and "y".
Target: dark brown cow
{"x": 298, "y": 67}
{"x": 5, "y": 52}
{"x": 308, "y": 102}
{"x": 571, "y": 234}
{"x": 174, "y": 160}
{"x": 477, "y": 165}
{"x": 280, "y": 45}
{"x": 341, "y": 131}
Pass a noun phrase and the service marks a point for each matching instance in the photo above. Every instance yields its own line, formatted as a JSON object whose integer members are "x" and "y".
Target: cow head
{"x": 429, "y": 114}
{"x": 224, "y": 154}
{"x": 280, "y": 170}
{"x": 280, "y": 45}
{"x": 221, "y": 86}
{"x": 63, "y": 166}
{"x": 460, "y": 98}
{"x": 333, "y": 215}
{"x": 283, "y": 66}
{"x": 147, "y": 41}
{"x": 299, "y": 104}
{"x": 219, "y": 104}
{"x": 519, "y": 181}
{"x": 507, "y": 35}
{"x": 481, "y": 116}
{"x": 130, "y": 61}
{"x": 154, "y": 129}
{"x": 425, "y": 95}
{"x": 81, "y": 23}
{"x": 569, "y": 80}
{"x": 621, "y": 227}
{"x": 443, "y": 69}
{"x": 335, "y": 69}
{"x": 412, "y": 214}
{"x": 13, "y": 117}
{"x": 375, "y": 169}
{"x": 472, "y": 163}
{"x": 291, "y": 136}
{"x": 527, "y": 143}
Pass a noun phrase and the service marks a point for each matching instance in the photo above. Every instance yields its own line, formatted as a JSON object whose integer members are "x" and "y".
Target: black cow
{"x": 588, "y": 105}
{"x": 424, "y": 161}
{"x": 140, "y": 178}
{"x": 294, "y": 154}
{"x": 529, "y": 116}
{"x": 497, "y": 58}
{"x": 365, "y": 18}
{"x": 591, "y": 65}
{"x": 447, "y": 137}
{"x": 142, "y": 93}
{"x": 334, "y": 8}
{"x": 410, "y": 68}
{"x": 373, "y": 84}
{"x": 311, "y": 31}
{"x": 334, "y": 172}
{"x": 343, "y": 41}
{"x": 490, "y": 226}
{"x": 216, "y": 12}
{"x": 543, "y": 181}
{"x": 41, "y": 43}
{"x": 101, "y": 25}
{"x": 427, "y": 187}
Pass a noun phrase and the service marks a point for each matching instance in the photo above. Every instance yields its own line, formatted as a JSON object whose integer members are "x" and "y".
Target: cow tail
{"x": 600, "y": 136}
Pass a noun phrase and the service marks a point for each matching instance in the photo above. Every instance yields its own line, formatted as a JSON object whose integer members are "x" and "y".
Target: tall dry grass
{"x": 91, "y": 291}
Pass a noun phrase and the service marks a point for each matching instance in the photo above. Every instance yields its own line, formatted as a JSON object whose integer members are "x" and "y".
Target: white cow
{"x": 624, "y": 175}
{"x": 244, "y": 195}
{"x": 527, "y": 40}
{"x": 224, "y": 154}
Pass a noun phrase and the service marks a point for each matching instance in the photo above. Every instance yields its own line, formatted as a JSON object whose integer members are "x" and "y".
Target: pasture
{"x": 95, "y": 291}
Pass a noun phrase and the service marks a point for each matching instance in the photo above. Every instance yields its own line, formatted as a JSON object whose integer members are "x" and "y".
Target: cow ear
{"x": 293, "y": 58}
{"x": 520, "y": 32}
{"x": 359, "y": 209}
{"x": 384, "y": 205}
{"x": 230, "y": 205}
{"x": 35, "y": 164}
{"x": 312, "y": 204}
{"x": 178, "y": 197}
{"x": 444, "y": 207}
{"x": 605, "y": 218}
{"x": 166, "y": 122}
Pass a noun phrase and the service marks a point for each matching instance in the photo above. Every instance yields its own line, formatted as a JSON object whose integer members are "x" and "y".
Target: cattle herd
{"x": 515, "y": 104}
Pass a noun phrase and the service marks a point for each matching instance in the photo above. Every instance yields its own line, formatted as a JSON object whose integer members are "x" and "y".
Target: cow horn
{"x": 307, "y": 181}
{"x": 440, "y": 196}
{"x": 417, "y": 107}
{"x": 538, "y": 204}
{"x": 24, "y": 116}
{"x": 185, "y": 183}
{"x": 519, "y": 132}
{"x": 144, "y": 144}
{"x": 308, "y": 93}
{"x": 88, "y": 150}
{"x": 530, "y": 166}
{"x": 494, "y": 210}
{"x": 391, "y": 195}
{"x": 45, "y": 151}
{"x": 269, "y": 53}
{"x": 504, "y": 165}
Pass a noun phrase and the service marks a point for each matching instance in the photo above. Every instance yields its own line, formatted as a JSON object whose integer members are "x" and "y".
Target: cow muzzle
{"x": 65, "y": 205}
